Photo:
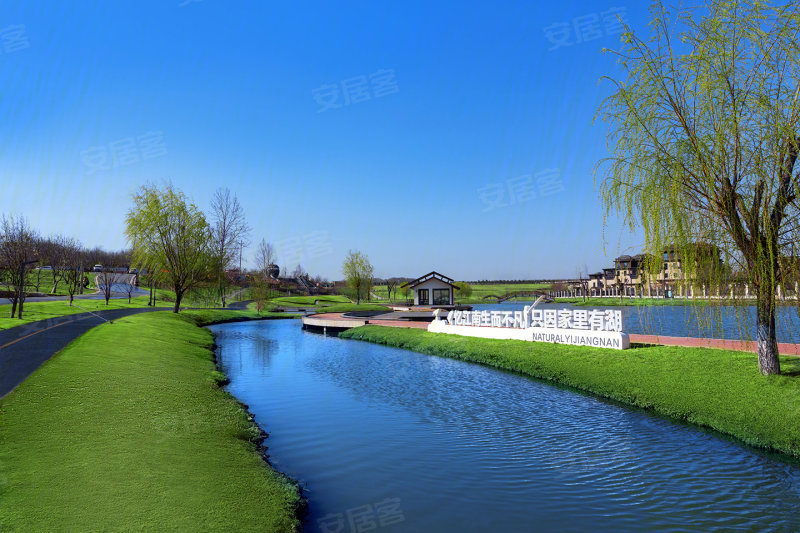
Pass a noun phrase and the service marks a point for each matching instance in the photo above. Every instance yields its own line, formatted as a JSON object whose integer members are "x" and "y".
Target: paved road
{"x": 24, "y": 348}
{"x": 91, "y": 295}
{"x": 239, "y": 306}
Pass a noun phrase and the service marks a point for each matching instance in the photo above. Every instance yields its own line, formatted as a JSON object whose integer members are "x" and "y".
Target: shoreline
{"x": 663, "y": 380}
{"x": 300, "y": 510}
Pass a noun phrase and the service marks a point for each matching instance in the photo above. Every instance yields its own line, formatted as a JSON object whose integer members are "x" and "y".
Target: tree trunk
{"x": 19, "y": 309}
{"x": 766, "y": 338}
{"x": 70, "y": 300}
{"x": 13, "y": 308}
{"x": 178, "y": 298}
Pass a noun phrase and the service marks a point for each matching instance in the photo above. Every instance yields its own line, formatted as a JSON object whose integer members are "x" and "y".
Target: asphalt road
{"x": 239, "y": 306}
{"x": 24, "y": 348}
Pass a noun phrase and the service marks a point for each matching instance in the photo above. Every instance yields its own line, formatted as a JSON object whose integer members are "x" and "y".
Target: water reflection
{"x": 467, "y": 448}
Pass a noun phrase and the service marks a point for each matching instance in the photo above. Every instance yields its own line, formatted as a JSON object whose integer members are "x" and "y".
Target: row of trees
{"x": 26, "y": 255}
{"x": 172, "y": 238}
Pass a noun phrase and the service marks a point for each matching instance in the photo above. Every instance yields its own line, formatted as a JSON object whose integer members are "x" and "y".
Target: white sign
{"x": 579, "y": 327}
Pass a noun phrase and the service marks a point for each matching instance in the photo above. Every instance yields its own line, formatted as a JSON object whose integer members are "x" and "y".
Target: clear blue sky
{"x": 440, "y": 107}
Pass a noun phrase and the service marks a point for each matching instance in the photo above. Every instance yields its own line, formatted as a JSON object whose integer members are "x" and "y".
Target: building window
{"x": 441, "y": 296}
{"x": 423, "y": 296}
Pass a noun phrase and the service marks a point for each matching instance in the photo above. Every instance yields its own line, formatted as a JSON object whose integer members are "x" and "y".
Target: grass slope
{"x": 718, "y": 389}
{"x": 328, "y": 306}
{"x": 479, "y": 291}
{"x": 33, "y": 310}
{"x": 127, "y": 428}
{"x": 309, "y": 300}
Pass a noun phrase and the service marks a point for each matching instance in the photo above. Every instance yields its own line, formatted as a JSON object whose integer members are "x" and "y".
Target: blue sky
{"x": 440, "y": 109}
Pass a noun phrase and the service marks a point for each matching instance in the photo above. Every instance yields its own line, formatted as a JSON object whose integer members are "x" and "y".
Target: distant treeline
{"x": 516, "y": 281}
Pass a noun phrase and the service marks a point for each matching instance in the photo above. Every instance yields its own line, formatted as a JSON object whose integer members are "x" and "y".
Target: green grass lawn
{"x": 479, "y": 291}
{"x": 33, "y": 310}
{"x": 345, "y": 308}
{"x": 328, "y": 307}
{"x": 719, "y": 389}
{"x": 44, "y": 279}
{"x": 309, "y": 300}
{"x": 128, "y": 429}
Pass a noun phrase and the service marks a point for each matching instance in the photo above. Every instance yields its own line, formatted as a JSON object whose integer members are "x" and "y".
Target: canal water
{"x": 715, "y": 321}
{"x": 384, "y": 439}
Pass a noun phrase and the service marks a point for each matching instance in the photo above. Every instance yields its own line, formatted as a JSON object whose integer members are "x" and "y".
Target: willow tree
{"x": 170, "y": 233}
{"x": 704, "y": 137}
{"x": 358, "y": 272}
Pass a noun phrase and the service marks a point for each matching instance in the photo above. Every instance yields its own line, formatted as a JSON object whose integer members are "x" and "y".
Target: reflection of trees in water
{"x": 240, "y": 346}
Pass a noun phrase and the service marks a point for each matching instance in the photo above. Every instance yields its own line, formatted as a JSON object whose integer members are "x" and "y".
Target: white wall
{"x": 430, "y": 285}
{"x": 609, "y": 339}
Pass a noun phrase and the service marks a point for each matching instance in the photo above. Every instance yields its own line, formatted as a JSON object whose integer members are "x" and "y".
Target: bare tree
{"x": 229, "y": 231}
{"x": 17, "y": 252}
{"x": 298, "y": 272}
{"x": 583, "y": 280}
{"x": 391, "y": 286}
{"x": 106, "y": 280}
{"x": 59, "y": 259}
{"x": 45, "y": 250}
{"x": 72, "y": 266}
{"x": 129, "y": 286}
{"x": 265, "y": 256}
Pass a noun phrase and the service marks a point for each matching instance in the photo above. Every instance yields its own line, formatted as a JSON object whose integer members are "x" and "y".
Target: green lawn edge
{"x": 128, "y": 428}
{"x": 717, "y": 389}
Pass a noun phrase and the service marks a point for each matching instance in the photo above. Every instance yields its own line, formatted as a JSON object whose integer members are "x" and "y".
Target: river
{"x": 384, "y": 439}
{"x": 715, "y": 321}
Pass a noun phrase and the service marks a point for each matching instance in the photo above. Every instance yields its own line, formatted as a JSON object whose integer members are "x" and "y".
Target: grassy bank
{"x": 128, "y": 428}
{"x": 294, "y": 301}
{"x": 718, "y": 389}
{"x": 479, "y": 295}
{"x": 33, "y": 310}
{"x": 327, "y": 306}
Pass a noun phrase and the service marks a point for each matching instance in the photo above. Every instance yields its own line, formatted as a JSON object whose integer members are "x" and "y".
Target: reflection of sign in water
{"x": 580, "y": 327}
